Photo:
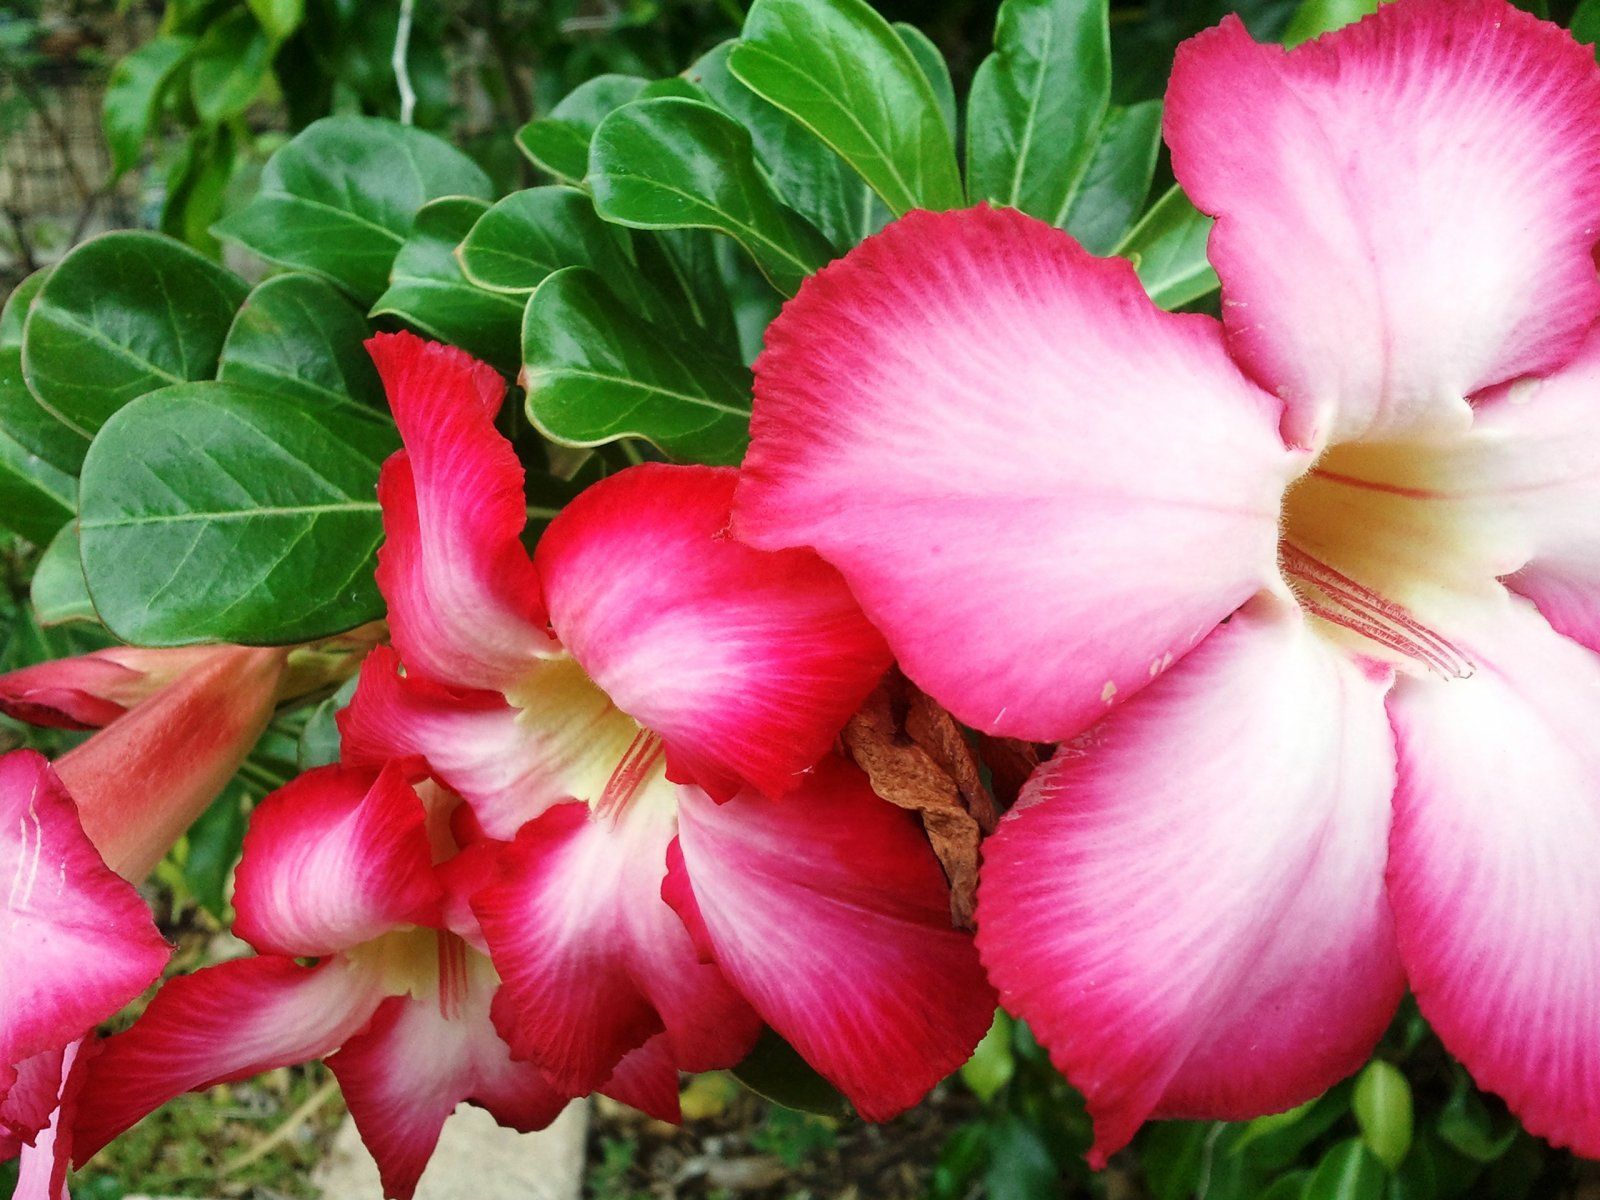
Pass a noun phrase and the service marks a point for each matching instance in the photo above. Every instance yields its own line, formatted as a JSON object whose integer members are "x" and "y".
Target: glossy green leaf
{"x": 123, "y": 314}
{"x": 212, "y": 846}
{"x": 210, "y": 512}
{"x": 1382, "y": 1106}
{"x": 1037, "y": 104}
{"x": 775, "y": 1070}
{"x": 36, "y": 499}
{"x": 298, "y": 337}
{"x": 671, "y": 164}
{"x": 1316, "y": 17}
{"x": 134, "y": 93}
{"x": 1168, "y": 249}
{"x": 1021, "y": 1166}
{"x": 809, "y": 176}
{"x": 838, "y": 68}
{"x": 1348, "y": 1171}
{"x": 992, "y": 1064}
{"x": 1467, "y": 1126}
{"x": 1113, "y": 190}
{"x": 319, "y": 740}
{"x": 22, "y": 417}
{"x": 514, "y": 245}
{"x": 934, "y": 68}
{"x": 197, "y": 185}
{"x": 1288, "y": 1187}
{"x": 559, "y": 143}
{"x": 59, "y": 591}
{"x": 429, "y": 291}
{"x": 340, "y": 198}
{"x": 279, "y": 18}
{"x": 594, "y": 373}
{"x": 230, "y": 65}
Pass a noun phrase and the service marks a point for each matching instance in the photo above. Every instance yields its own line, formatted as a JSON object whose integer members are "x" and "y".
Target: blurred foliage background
{"x": 160, "y": 116}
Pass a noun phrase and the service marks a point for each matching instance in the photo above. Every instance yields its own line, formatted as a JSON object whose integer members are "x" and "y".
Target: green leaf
{"x": 1168, "y": 249}
{"x": 775, "y": 1070}
{"x": 809, "y": 176}
{"x": 838, "y": 68}
{"x": 134, "y": 92}
{"x": 1113, "y": 191}
{"x": 26, "y": 422}
{"x": 1021, "y": 1166}
{"x": 340, "y": 198}
{"x": 1316, "y": 17}
{"x": 1348, "y": 1172}
{"x": 1585, "y": 23}
{"x": 319, "y": 740}
{"x": 123, "y": 314}
{"x": 211, "y": 848}
{"x": 522, "y": 239}
{"x": 197, "y": 186}
{"x": 594, "y": 373}
{"x": 559, "y": 143}
{"x": 213, "y": 513}
{"x": 992, "y": 1065}
{"x": 59, "y": 591}
{"x": 279, "y": 18}
{"x": 934, "y": 69}
{"x": 14, "y": 314}
{"x": 299, "y": 338}
{"x": 230, "y": 65}
{"x": 1467, "y": 1126}
{"x": 1382, "y": 1106}
{"x": 1288, "y": 1187}
{"x": 1037, "y": 105}
{"x": 673, "y": 164}
{"x": 36, "y": 499}
{"x": 429, "y": 291}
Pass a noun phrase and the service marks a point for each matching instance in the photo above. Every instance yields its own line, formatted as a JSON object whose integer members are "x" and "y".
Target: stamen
{"x": 452, "y": 975}
{"x": 1356, "y": 607}
{"x": 635, "y": 766}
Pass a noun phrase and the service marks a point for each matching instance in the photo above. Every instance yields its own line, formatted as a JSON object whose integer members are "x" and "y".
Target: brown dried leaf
{"x": 917, "y": 758}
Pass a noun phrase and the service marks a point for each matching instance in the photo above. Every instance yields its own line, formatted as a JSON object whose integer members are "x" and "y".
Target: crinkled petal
{"x": 1492, "y": 868}
{"x": 593, "y": 961}
{"x": 510, "y": 763}
{"x": 420, "y": 1057}
{"x": 141, "y": 782}
{"x": 463, "y": 597}
{"x": 222, "y": 1023}
{"x": 79, "y": 940}
{"x": 829, "y": 911}
{"x": 1406, "y": 207}
{"x": 1187, "y": 906}
{"x": 1041, "y": 488}
{"x": 42, "y": 1172}
{"x": 746, "y": 663}
{"x": 647, "y": 1079}
{"x": 333, "y": 859}
{"x": 33, "y": 1098}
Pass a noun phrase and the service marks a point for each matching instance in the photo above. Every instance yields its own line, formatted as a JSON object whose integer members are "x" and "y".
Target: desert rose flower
{"x": 1312, "y": 593}
{"x": 639, "y": 711}
{"x": 340, "y": 866}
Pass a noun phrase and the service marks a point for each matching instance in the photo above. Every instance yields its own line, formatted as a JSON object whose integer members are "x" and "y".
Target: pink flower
{"x": 180, "y": 722}
{"x": 637, "y": 715}
{"x": 1312, "y": 593}
{"x": 340, "y": 866}
{"x": 80, "y": 944}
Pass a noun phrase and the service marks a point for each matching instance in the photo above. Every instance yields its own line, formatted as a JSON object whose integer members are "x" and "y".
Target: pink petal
{"x": 222, "y": 1023}
{"x": 42, "y": 1173}
{"x": 509, "y": 766}
{"x": 31, "y": 1102}
{"x": 1038, "y": 485}
{"x": 746, "y": 663}
{"x": 92, "y": 690}
{"x": 463, "y": 597}
{"x": 407, "y": 1071}
{"x": 828, "y": 910}
{"x": 1187, "y": 906}
{"x": 1492, "y": 869}
{"x": 79, "y": 940}
{"x": 1405, "y": 207}
{"x": 333, "y": 859}
{"x": 593, "y": 961}
{"x": 140, "y": 782}
{"x": 647, "y": 1079}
